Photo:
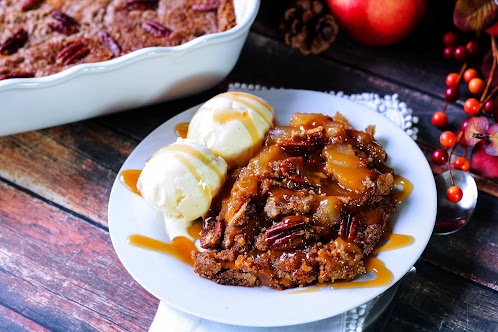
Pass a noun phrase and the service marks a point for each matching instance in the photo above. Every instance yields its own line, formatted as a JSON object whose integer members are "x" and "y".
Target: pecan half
{"x": 288, "y": 233}
{"x": 141, "y": 4}
{"x": 212, "y": 232}
{"x": 348, "y": 226}
{"x": 15, "y": 42}
{"x": 156, "y": 29}
{"x": 72, "y": 52}
{"x": 207, "y": 6}
{"x": 30, "y": 4}
{"x": 17, "y": 74}
{"x": 63, "y": 23}
{"x": 106, "y": 39}
{"x": 290, "y": 170}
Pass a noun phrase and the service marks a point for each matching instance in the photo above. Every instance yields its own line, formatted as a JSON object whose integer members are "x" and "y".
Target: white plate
{"x": 176, "y": 283}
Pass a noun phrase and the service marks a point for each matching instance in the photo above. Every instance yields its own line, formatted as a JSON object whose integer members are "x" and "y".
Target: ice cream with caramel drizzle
{"x": 233, "y": 125}
{"x": 181, "y": 180}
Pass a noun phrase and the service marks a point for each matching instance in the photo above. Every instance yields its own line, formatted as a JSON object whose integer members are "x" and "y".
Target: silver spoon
{"x": 453, "y": 216}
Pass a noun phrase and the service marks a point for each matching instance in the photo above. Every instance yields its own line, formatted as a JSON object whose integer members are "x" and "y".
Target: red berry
{"x": 439, "y": 119}
{"x": 454, "y": 194}
{"x": 448, "y": 52}
{"x": 470, "y": 74}
{"x": 472, "y": 106}
{"x": 461, "y": 163}
{"x": 472, "y": 48}
{"x": 452, "y": 79}
{"x": 452, "y": 93}
{"x": 450, "y": 38}
{"x": 447, "y": 139}
{"x": 465, "y": 123}
{"x": 476, "y": 86}
{"x": 440, "y": 157}
{"x": 488, "y": 106}
{"x": 460, "y": 53}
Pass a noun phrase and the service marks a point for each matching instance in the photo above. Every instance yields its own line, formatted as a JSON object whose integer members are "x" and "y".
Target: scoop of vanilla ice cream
{"x": 181, "y": 179}
{"x": 233, "y": 125}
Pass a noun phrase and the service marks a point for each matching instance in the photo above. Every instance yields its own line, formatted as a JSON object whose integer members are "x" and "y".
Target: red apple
{"x": 482, "y": 163}
{"x": 377, "y": 22}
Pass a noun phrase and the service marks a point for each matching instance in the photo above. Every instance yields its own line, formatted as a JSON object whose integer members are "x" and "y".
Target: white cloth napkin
{"x": 169, "y": 319}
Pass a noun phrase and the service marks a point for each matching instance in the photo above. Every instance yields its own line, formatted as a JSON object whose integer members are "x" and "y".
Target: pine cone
{"x": 308, "y": 27}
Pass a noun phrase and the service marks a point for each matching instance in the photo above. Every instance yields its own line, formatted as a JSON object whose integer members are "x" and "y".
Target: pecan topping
{"x": 348, "y": 226}
{"x": 288, "y": 233}
{"x": 212, "y": 232}
{"x": 15, "y": 42}
{"x": 207, "y": 6}
{"x": 16, "y": 74}
{"x": 72, "y": 52}
{"x": 141, "y": 4}
{"x": 290, "y": 170}
{"x": 106, "y": 39}
{"x": 156, "y": 29}
{"x": 63, "y": 23}
{"x": 29, "y": 4}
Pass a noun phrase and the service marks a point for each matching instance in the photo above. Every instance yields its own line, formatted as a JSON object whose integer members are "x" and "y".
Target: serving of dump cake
{"x": 43, "y": 37}
{"x": 308, "y": 208}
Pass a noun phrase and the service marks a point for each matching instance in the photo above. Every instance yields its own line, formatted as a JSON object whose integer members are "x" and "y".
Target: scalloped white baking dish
{"x": 143, "y": 77}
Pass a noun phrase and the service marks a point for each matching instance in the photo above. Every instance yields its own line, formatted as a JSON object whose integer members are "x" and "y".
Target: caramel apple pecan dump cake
{"x": 308, "y": 208}
{"x": 43, "y": 37}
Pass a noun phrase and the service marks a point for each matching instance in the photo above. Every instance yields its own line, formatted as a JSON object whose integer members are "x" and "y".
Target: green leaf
{"x": 475, "y": 15}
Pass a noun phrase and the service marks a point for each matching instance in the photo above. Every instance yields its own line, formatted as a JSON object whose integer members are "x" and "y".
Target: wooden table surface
{"x": 58, "y": 269}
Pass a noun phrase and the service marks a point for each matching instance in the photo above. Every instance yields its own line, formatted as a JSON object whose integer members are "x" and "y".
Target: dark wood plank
{"x": 14, "y": 322}
{"x": 64, "y": 176}
{"x": 106, "y": 147}
{"x": 436, "y": 300}
{"x": 62, "y": 273}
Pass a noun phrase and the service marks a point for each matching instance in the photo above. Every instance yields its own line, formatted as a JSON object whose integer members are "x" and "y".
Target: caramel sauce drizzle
{"x": 194, "y": 172}
{"x": 181, "y": 247}
{"x": 238, "y": 97}
{"x": 197, "y": 155}
{"x": 181, "y": 129}
{"x": 383, "y": 276}
{"x": 394, "y": 241}
{"x": 402, "y": 194}
{"x": 195, "y": 229}
{"x": 129, "y": 179}
{"x": 227, "y": 115}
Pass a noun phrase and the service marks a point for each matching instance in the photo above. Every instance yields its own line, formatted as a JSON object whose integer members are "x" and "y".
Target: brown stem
{"x": 444, "y": 107}
{"x": 452, "y": 151}
{"x": 490, "y": 96}
{"x": 460, "y": 74}
{"x": 491, "y": 74}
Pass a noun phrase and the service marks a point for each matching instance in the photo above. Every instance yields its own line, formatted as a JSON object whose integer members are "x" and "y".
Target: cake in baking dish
{"x": 43, "y": 37}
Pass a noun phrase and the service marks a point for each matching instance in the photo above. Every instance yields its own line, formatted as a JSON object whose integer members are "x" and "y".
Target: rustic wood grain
{"x": 64, "y": 176}
{"x": 14, "y": 322}
{"x": 62, "y": 273}
{"x": 436, "y": 300}
{"x": 99, "y": 144}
